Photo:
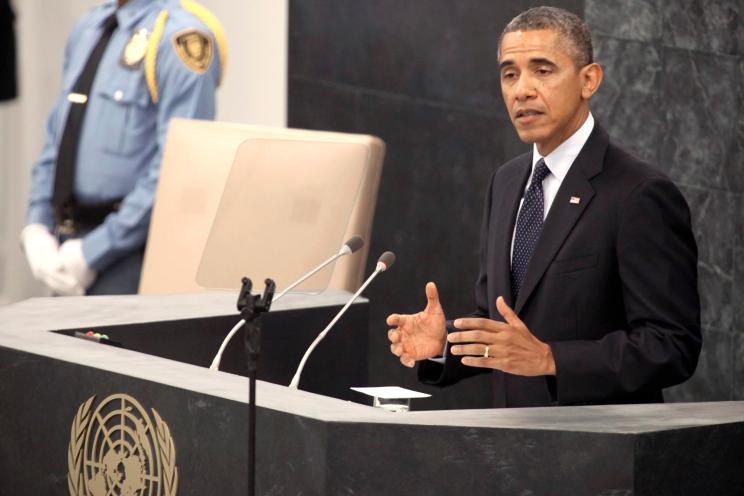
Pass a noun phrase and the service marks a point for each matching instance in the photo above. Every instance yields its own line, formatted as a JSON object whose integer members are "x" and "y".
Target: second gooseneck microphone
{"x": 383, "y": 263}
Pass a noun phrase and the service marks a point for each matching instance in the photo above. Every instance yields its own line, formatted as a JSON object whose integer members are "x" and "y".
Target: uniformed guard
{"x": 130, "y": 66}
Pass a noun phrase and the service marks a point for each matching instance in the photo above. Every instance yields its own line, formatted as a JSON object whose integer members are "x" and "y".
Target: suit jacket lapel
{"x": 563, "y": 213}
{"x": 506, "y": 216}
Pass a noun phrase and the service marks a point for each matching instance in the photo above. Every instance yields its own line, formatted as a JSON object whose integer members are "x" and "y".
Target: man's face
{"x": 542, "y": 87}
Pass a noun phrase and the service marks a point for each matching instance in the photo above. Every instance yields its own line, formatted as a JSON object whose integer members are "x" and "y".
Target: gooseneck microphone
{"x": 385, "y": 261}
{"x": 351, "y": 245}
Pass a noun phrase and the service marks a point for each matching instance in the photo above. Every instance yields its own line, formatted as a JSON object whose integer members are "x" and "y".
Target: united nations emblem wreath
{"x": 117, "y": 449}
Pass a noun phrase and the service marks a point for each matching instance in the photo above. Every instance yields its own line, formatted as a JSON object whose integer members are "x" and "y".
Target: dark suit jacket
{"x": 611, "y": 286}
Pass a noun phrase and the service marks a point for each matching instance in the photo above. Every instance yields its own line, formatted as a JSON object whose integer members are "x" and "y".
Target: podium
{"x": 150, "y": 415}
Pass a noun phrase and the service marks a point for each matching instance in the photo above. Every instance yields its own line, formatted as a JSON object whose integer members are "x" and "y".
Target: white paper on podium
{"x": 390, "y": 392}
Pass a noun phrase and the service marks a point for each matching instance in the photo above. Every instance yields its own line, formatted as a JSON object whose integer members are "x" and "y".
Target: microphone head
{"x": 387, "y": 259}
{"x": 354, "y": 243}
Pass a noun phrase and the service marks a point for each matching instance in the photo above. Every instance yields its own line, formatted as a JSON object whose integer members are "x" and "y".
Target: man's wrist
{"x": 443, "y": 345}
{"x": 549, "y": 360}
{"x": 443, "y": 357}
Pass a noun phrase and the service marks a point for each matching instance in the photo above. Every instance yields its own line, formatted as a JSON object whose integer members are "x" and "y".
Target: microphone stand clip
{"x": 251, "y": 307}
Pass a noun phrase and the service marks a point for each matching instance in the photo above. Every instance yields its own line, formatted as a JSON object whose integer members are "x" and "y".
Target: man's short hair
{"x": 569, "y": 26}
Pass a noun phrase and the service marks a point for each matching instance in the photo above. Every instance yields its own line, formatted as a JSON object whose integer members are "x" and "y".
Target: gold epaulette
{"x": 201, "y": 13}
{"x": 152, "y": 55}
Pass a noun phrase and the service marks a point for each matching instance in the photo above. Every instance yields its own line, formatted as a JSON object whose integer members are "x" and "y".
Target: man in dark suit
{"x": 587, "y": 291}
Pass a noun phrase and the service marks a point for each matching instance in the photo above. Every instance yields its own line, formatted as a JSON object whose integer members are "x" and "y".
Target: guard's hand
{"x": 61, "y": 283}
{"x": 74, "y": 264}
{"x": 421, "y": 335}
{"x": 40, "y": 248}
{"x": 42, "y": 254}
{"x": 508, "y": 346}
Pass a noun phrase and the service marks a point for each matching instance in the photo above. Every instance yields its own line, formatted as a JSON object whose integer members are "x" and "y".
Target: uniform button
{"x": 118, "y": 95}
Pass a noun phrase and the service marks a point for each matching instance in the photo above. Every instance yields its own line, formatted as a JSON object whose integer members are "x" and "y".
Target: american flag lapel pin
{"x": 575, "y": 200}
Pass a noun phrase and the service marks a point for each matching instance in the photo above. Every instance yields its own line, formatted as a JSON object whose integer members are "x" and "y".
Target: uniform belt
{"x": 72, "y": 217}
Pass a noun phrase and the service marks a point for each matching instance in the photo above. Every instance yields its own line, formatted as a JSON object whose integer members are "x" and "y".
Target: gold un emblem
{"x": 116, "y": 450}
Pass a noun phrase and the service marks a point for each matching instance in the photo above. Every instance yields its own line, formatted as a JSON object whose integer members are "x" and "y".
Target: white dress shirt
{"x": 558, "y": 161}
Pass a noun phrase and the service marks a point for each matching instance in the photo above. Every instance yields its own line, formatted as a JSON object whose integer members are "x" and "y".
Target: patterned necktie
{"x": 529, "y": 223}
{"x": 64, "y": 175}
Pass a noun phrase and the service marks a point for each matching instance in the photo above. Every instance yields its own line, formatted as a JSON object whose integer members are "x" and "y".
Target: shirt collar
{"x": 131, "y": 13}
{"x": 560, "y": 159}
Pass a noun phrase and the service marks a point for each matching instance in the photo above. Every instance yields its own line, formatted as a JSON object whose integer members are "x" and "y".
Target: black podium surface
{"x": 65, "y": 403}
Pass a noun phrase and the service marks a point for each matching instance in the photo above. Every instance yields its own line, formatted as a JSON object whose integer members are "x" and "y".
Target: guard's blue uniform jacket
{"x": 124, "y": 130}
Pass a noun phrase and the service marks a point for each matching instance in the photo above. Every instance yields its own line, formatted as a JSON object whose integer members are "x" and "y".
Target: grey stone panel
{"x": 638, "y": 20}
{"x": 510, "y": 462}
{"x": 713, "y": 379}
{"x": 323, "y": 105}
{"x": 699, "y": 95}
{"x": 704, "y": 25}
{"x": 715, "y": 216}
{"x": 735, "y": 164}
{"x": 429, "y": 49}
{"x": 660, "y": 451}
{"x": 738, "y": 283}
{"x": 738, "y": 358}
{"x": 628, "y": 103}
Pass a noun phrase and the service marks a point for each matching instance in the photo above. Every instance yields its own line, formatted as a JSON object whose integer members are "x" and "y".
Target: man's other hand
{"x": 421, "y": 335}
{"x": 508, "y": 346}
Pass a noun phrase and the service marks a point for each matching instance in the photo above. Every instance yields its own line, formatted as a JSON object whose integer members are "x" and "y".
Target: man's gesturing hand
{"x": 421, "y": 335}
{"x": 511, "y": 346}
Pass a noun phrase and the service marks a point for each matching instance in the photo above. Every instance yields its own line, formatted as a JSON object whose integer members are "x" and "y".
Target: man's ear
{"x": 591, "y": 77}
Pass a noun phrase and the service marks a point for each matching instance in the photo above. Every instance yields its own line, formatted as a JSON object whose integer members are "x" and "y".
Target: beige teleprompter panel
{"x": 197, "y": 160}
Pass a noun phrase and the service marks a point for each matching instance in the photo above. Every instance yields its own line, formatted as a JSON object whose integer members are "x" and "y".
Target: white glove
{"x": 73, "y": 264}
{"x": 59, "y": 281}
{"x": 43, "y": 256}
{"x": 40, "y": 248}
{"x": 63, "y": 269}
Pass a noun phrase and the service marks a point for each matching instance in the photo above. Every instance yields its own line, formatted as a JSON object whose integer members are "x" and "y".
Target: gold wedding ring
{"x": 485, "y": 353}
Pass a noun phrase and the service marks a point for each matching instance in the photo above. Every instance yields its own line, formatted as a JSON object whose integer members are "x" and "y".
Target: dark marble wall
{"x": 422, "y": 75}
{"x": 673, "y": 94}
